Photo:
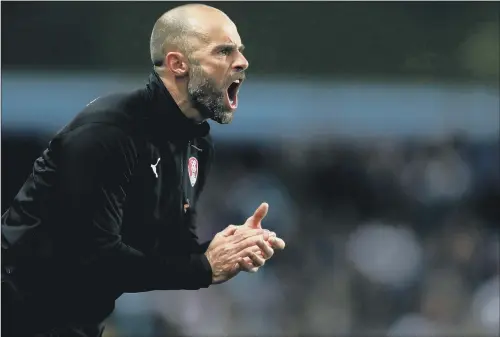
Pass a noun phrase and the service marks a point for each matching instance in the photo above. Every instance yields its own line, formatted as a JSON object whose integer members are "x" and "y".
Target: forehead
{"x": 223, "y": 33}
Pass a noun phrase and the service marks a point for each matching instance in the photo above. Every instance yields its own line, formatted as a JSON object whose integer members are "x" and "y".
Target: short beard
{"x": 206, "y": 97}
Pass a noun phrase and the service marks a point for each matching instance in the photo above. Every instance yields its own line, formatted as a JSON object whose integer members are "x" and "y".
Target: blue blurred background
{"x": 372, "y": 129}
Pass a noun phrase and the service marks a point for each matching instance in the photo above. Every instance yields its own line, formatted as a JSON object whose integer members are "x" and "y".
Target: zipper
{"x": 184, "y": 200}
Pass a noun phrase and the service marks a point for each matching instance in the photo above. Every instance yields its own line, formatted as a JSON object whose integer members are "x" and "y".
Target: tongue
{"x": 232, "y": 102}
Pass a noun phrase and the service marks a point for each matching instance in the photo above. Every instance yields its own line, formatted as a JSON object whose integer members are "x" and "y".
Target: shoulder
{"x": 108, "y": 121}
{"x": 94, "y": 142}
{"x": 118, "y": 110}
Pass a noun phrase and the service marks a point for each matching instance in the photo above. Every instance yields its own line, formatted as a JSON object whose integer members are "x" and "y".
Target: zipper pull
{"x": 186, "y": 206}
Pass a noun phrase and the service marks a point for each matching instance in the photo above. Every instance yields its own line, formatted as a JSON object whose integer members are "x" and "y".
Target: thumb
{"x": 229, "y": 230}
{"x": 259, "y": 214}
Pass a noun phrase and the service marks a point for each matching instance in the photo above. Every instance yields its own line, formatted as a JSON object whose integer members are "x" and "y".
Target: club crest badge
{"x": 193, "y": 170}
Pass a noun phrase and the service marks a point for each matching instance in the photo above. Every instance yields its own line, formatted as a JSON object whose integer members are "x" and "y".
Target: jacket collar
{"x": 165, "y": 117}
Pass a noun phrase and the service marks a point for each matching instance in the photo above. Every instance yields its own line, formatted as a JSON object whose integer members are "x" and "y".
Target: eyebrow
{"x": 241, "y": 48}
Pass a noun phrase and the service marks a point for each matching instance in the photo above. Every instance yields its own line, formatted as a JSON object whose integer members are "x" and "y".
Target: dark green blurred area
{"x": 429, "y": 40}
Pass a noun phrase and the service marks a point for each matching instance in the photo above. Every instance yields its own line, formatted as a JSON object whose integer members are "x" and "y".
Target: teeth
{"x": 237, "y": 81}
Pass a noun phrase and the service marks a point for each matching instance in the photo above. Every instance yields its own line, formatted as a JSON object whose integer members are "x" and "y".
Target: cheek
{"x": 217, "y": 72}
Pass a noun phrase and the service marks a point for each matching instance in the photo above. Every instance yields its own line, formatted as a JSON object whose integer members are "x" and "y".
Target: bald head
{"x": 183, "y": 29}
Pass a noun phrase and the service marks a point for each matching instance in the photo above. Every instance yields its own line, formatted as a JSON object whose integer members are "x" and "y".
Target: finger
{"x": 245, "y": 228}
{"x": 247, "y": 260}
{"x": 248, "y": 242}
{"x": 258, "y": 251}
{"x": 269, "y": 238}
{"x": 229, "y": 230}
{"x": 247, "y": 265}
{"x": 244, "y": 234}
{"x": 259, "y": 215}
{"x": 277, "y": 243}
{"x": 257, "y": 260}
{"x": 267, "y": 252}
{"x": 252, "y": 249}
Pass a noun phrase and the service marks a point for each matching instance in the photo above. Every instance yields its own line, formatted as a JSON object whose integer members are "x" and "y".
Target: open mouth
{"x": 232, "y": 94}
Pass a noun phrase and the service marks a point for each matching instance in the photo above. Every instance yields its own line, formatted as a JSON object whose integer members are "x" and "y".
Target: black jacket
{"x": 100, "y": 215}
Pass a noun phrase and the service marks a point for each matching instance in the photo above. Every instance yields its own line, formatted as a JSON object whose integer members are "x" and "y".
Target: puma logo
{"x": 154, "y": 167}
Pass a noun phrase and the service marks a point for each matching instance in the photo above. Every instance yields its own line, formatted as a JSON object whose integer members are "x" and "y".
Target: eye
{"x": 226, "y": 51}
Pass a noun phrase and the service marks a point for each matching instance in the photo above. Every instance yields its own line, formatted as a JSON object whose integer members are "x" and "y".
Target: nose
{"x": 241, "y": 63}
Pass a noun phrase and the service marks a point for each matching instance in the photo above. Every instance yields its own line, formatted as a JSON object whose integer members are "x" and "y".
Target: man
{"x": 110, "y": 205}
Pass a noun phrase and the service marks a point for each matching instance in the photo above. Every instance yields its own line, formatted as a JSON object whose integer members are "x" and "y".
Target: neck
{"x": 181, "y": 99}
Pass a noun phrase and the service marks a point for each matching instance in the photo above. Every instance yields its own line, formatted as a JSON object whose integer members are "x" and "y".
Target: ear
{"x": 175, "y": 62}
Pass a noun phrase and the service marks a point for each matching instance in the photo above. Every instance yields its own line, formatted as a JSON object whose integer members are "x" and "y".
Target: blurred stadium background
{"x": 372, "y": 129}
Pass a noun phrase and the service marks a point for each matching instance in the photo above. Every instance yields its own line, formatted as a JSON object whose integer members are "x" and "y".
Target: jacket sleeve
{"x": 95, "y": 163}
{"x": 197, "y": 246}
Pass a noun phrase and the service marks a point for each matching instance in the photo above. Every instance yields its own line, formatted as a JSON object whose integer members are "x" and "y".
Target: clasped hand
{"x": 242, "y": 248}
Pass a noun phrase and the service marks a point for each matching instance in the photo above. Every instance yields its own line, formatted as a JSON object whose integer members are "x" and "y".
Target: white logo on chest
{"x": 193, "y": 170}
{"x": 154, "y": 168}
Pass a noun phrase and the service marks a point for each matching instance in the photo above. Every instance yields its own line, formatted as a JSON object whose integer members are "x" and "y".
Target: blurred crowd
{"x": 384, "y": 237}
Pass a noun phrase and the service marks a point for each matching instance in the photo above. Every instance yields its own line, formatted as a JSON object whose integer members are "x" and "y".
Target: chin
{"x": 223, "y": 118}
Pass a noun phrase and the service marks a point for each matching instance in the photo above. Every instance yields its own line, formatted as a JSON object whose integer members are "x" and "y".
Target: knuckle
{"x": 256, "y": 259}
